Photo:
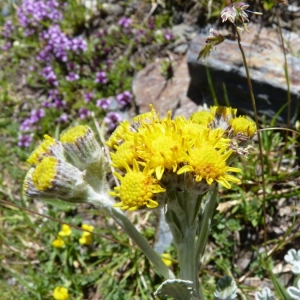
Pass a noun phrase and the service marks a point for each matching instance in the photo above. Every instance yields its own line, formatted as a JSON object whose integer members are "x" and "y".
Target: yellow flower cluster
{"x": 66, "y": 231}
{"x": 153, "y": 148}
{"x": 86, "y": 237}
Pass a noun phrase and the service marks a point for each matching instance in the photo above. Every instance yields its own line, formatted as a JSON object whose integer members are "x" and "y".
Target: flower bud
{"x": 81, "y": 145}
{"x": 53, "y": 178}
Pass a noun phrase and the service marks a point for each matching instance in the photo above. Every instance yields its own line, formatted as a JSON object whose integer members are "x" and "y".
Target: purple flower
{"x": 151, "y": 23}
{"x": 26, "y": 125}
{"x": 72, "y": 76}
{"x": 24, "y": 140}
{"x": 125, "y": 22}
{"x": 8, "y": 28}
{"x": 112, "y": 119}
{"x": 58, "y": 103}
{"x": 124, "y": 98}
{"x": 83, "y": 113}
{"x": 88, "y": 97}
{"x": 53, "y": 94}
{"x": 49, "y": 75}
{"x": 62, "y": 119}
{"x": 168, "y": 35}
{"x": 36, "y": 115}
{"x": 101, "y": 77}
{"x": 104, "y": 103}
{"x": 6, "y": 46}
{"x": 32, "y": 13}
{"x": 78, "y": 44}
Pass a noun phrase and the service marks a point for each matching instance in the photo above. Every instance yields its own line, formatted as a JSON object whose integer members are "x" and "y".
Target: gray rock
{"x": 266, "y": 65}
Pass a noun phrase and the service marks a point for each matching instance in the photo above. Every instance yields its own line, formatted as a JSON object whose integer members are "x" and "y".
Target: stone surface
{"x": 266, "y": 65}
{"x": 150, "y": 87}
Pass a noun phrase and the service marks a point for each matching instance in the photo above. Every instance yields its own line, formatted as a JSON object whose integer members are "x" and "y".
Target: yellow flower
{"x": 167, "y": 259}
{"x": 49, "y": 147}
{"x": 137, "y": 189}
{"x": 123, "y": 130}
{"x": 86, "y": 237}
{"x": 60, "y": 293}
{"x": 209, "y": 164}
{"x": 243, "y": 126}
{"x": 161, "y": 146}
{"x": 58, "y": 243}
{"x": 125, "y": 154}
{"x": 202, "y": 117}
{"x": 65, "y": 230}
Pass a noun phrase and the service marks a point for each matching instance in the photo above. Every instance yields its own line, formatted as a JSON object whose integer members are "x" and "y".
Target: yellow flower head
{"x": 167, "y": 259}
{"x": 58, "y": 243}
{"x": 137, "y": 189}
{"x": 49, "y": 147}
{"x": 209, "y": 164}
{"x": 60, "y": 293}
{"x": 86, "y": 237}
{"x": 117, "y": 137}
{"x": 243, "y": 126}
{"x": 65, "y": 230}
{"x": 202, "y": 117}
{"x": 124, "y": 155}
{"x": 200, "y": 145}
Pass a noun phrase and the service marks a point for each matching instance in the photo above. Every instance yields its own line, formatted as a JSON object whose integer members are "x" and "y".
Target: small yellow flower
{"x": 58, "y": 243}
{"x": 202, "y": 117}
{"x": 60, "y": 293}
{"x": 86, "y": 237}
{"x": 137, "y": 189}
{"x": 209, "y": 164}
{"x": 167, "y": 259}
{"x": 243, "y": 126}
{"x": 123, "y": 130}
{"x": 65, "y": 230}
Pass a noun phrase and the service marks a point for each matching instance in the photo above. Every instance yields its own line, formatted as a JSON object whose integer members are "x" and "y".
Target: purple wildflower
{"x": 124, "y": 98}
{"x": 125, "y": 22}
{"x": 112, "y": 119}
{"x": 62, "y": 118}
{"x": 53, "y": 94}
{"x": 168, "y": 35}
{"x": 151, "y": 23}
{"x": 49, "y": 75}
{"x": 58, "y": 103}
{"x": 83, "y": 113}
{"x": 72, "y": 76}
{"x": 101, "y": 77}
{"x": 78, "y": 44}
{"x": 104, "y": 103}
{"x": 36, "y": 115}
{"x": 6, "y": 46}
{"x": 88, "y": 97}
{"x": 8, "y": 28}
{"x": 32, "y": 13}
{"x": 26, "y": 125}
{"x": 24, "y": 140}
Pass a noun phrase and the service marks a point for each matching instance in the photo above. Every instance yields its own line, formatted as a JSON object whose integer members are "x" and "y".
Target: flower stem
{"x": 258, "y": 133}
{"x": 182, "y": 217}
{"x": 205, "y": 221}
{"x": 105, "y": 203}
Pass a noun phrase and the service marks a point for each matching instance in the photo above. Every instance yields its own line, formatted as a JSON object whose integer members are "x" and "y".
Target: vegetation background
{"x": 73, "y": 62}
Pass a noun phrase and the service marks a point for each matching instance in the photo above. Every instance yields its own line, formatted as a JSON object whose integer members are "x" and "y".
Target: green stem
{"x": 258, "y": 133}
{"x": 106, "y": 204}
{"x": 182, "y": 216}
{"x": 205, "y": 222}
